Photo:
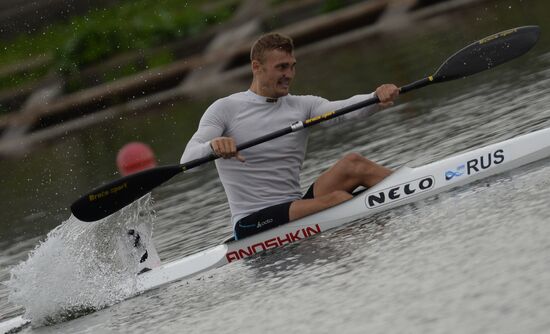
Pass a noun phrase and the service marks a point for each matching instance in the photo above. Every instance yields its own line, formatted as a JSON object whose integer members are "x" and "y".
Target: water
{"x": 471, "y": 260}
{"x": 82, "y": 267}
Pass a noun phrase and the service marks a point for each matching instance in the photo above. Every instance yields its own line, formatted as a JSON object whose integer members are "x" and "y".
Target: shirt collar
{"x": 258, "y": 98}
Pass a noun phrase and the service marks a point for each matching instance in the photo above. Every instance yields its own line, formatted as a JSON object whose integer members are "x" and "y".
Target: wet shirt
{"x": 271, "y": 173}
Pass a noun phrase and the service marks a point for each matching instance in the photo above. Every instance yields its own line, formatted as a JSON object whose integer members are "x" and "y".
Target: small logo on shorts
{"x": 265, "y": 222}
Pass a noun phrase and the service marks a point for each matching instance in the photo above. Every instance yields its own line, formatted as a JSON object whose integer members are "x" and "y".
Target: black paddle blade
{"x": 488, "y": 53}
{"x": 108, "y": 199}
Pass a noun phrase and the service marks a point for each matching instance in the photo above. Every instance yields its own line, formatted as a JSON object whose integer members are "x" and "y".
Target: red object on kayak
{"x": 135, "y": 157}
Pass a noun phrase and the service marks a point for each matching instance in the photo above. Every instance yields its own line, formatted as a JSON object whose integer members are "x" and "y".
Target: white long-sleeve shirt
{"x": 271, "y": 173}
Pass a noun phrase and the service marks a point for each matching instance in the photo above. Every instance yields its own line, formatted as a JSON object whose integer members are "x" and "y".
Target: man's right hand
{"x": 226, "y": 148}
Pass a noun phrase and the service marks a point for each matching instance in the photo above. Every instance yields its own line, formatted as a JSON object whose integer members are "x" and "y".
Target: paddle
{"x": 479, "y": 56}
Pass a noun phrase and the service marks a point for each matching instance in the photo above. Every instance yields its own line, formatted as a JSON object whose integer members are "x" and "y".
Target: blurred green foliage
{"x": 135, "y": 25}
{"x": 86, "y": 40}
{"x": 331, "y": 5}
{"x": 325, "y": 6}
{"x": 21, "y": 78}
{"x": 104, "y": 32}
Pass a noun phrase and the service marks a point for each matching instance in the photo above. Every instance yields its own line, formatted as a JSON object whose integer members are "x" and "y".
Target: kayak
{"x": 404, "y": 186}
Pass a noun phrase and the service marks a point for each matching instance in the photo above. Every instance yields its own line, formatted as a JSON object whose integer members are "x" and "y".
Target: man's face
{"x": 275, "y": 73}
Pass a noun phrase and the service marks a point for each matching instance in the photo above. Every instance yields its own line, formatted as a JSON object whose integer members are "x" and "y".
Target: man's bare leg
{"x": 336, "y": 184}
{"x": 349, "y": 173}
{"x": 306, "y": 207}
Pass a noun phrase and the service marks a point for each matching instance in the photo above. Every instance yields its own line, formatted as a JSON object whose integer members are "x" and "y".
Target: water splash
{"x": 82, "y": 267}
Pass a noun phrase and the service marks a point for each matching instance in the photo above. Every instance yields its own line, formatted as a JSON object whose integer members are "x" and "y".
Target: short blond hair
{"x": 268, "y": 42}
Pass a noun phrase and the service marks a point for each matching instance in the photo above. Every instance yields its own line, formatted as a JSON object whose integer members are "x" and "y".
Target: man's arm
{"x": 199, "y": 145}
{"x": 387, "y": 93}
{"x": 226, "y": 148}
{"x": 209, "y": 137}
{"x": 211, "y": 125}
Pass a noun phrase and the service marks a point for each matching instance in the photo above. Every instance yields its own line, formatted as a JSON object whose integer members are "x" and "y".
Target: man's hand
{"x": 226, "y": 148}
{"x": 387, "y": 93}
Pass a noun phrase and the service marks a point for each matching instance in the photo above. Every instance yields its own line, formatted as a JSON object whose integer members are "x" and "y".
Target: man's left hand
{"x": 387, "y": 93}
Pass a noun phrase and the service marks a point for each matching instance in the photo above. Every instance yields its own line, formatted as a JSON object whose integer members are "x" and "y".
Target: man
{"x": 262, "y": 183}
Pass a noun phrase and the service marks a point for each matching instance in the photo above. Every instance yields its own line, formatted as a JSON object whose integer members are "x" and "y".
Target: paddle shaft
{"x": 474, "y": 58}
{"x": 306, "y": 124}
{"x": 302, "y": 125}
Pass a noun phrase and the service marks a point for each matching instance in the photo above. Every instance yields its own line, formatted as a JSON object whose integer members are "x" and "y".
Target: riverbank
{"x": 218, "y": 65}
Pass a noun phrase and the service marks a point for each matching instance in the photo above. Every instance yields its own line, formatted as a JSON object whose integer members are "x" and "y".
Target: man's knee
{"x": 353, "y": 164}
{"x": 354, "y": 158}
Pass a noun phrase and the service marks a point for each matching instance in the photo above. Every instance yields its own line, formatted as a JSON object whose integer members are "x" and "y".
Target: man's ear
{"x": 255, "y": 66}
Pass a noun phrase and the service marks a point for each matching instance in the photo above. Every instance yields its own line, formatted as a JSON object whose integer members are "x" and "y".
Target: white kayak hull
{"x": 406, "y": 185}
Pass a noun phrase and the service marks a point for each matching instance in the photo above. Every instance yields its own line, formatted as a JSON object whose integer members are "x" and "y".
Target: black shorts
{"x": 267, "y": 218}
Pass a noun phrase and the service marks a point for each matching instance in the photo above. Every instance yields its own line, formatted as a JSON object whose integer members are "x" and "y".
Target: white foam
{"x": 82, "y": 266}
